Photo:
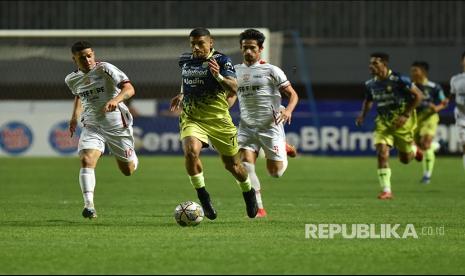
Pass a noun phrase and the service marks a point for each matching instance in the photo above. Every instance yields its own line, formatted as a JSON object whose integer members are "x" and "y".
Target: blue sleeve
{"x": 368, "y": 95}
{"x": 440, "y": 95}
{"x": 405, "y": 82}
{"x": 226, "y": 67}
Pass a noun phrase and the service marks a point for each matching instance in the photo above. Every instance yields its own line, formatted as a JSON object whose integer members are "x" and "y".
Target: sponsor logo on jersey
{"x": 60, "y": 140}
{"x": 15, "y": 137}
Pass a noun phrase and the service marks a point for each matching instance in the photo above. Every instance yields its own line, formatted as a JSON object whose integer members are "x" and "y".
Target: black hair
{"x": 80, "y": 45}
{"x": 463, "y": 55}
{"x": 383, "y": 56}
{"x": 421, "y": 64}
{"x": 254, "y": 35}
{"x": 200, "y": 31}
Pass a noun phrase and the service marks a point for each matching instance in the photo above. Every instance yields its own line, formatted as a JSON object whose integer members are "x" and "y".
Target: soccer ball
{"x": 188, "y": 213}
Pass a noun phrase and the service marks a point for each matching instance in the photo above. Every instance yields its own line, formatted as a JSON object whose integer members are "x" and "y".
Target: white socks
{"x": 255, "y": 182}
{"x": 87, "y": 182}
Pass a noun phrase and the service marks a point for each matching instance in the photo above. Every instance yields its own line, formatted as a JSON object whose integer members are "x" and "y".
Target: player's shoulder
{"x": 220, "y": 57}
{"x": 103, "y": 65}
{"x": 370, "y": 82}
{"x": 457, "y": 77}
{"x": 184, "y": 57}
{"x": 72, "y": 76}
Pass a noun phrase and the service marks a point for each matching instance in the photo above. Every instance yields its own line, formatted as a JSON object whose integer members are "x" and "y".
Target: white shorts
{"x": 460, "y": 125}
{"x": 271, "y": 139}
{"x": 120, "y": 141}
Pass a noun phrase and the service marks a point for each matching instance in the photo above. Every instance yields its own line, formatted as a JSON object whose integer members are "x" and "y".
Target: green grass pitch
{"x": 42, "y": 231}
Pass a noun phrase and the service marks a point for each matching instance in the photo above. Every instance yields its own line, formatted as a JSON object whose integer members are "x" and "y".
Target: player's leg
{"x": 192, "y": 147}
{"x": 194, "y": 138}
{"x": 249, "y": 149}
{"x": 383, "y": 140}
{"x": 249, "y": 158}
{"x": 234, "y": 166}
{"x": 404, "y": 141}
{"x": 91, "y": 146}
{"x": 121, "y": 145}
{"x": 461, "y": 137}
{"x": 428, "y": 147}
{"x": 384, "y": 171}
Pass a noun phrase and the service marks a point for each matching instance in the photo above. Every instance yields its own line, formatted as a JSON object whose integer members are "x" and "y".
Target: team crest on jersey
{"x": 205, "y": 64}
{"x": 86, "y": 80}
{"x": 389, "y": 88}
{"x": 246, "y": 77}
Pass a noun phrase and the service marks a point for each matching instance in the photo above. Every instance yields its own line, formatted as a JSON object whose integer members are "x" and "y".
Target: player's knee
{"x": 404, "y": 158}
{"x": 277, "y": 171}
{"x": 127, "y": 171}
{"x": 87, "y": 161}
{"x": 233, "y": 167}
{"x": 191, "y": 155}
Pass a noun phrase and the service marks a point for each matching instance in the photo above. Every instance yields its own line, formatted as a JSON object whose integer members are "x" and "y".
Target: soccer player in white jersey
{"x": 457, "y": 91}
{"x": 100, "y": 89}
{"x": 262, "y": 115}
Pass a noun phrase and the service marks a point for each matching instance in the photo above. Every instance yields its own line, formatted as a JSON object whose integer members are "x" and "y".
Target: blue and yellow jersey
{"x": 432, "y": 94}
{"x": 390, "y": 95}
{"x": 204, "y": 98}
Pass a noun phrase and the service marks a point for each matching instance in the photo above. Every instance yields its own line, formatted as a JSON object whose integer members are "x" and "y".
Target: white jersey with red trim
{"x": 258, "y": 92}
{"x": 95, "y": 88}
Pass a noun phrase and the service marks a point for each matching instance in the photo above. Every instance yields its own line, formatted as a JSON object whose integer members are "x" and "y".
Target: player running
{"x": 396, "y": 99}
{"x": 457, "y": 92}
{"x": 208, "y": 77}
{"x": 262, "y": 119}
{"x": 100, "y": 89}
{"x": 433, "y": 101}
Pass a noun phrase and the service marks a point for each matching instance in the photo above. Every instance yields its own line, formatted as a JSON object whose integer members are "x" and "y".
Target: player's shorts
{"x": 401, "y": 138}
{"x": 120, "y": 141}
{"x": 427, "y": 123}
{"x": 221, "y": 133}
{"x": 271, "y": 139}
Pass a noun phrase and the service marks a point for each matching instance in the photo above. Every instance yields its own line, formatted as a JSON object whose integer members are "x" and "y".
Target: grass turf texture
{"x": 42, "y": 231}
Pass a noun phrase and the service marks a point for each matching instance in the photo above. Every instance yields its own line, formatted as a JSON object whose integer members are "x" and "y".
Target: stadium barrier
{"x": 43, "y": 131}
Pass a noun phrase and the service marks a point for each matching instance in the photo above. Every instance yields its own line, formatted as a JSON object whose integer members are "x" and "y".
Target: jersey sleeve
{"x": 368, "y": 96}
{"x": 279, "y": 77}
{"x": 440, "y": 95}
{"x": 118, "y": 77}
{"x": 453, "y": 90}
{"x": 226, "y": 67}
{"x": 405, "y": 82}
{"x": 70, "y": 86}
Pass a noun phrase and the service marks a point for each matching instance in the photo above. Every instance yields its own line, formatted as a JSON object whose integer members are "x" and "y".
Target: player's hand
{"x": 434, "y": 108}
{"x": 110, "y": 106}
{"x": 400, "y": 121}
{"x": 284, "y": 116}
{"x": 72, "y": 126}
{"x": 214, "y": 67}
{"x": 176, "y": 102}
{"x": 359, "y": 120}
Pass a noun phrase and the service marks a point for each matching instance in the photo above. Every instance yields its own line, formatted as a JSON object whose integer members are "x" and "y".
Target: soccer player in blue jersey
{"x": 434, "y": 101}
{"x": 208, "y": 77}
{"x": 396, "y": 98}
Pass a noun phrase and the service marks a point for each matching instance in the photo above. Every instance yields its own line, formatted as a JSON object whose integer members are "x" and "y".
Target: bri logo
{"x": 60, "y": 140}
{"x": 15, "y": 137}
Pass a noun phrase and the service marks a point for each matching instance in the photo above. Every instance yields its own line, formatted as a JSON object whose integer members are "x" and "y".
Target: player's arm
{"x": 175, "y": 103}
{"x": 286, "y": 114}
{"x": 127, "y": 91}
{"x": 77, "y": 109}
{"x": 417, "y": 97}
{"x": 228, "y": 83}
{"x": 366, "y": 107}
{"x": 231, "y": 98}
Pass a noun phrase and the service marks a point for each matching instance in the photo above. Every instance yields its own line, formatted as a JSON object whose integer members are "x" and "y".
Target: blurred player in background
{"x": 262, "y": 118}
{"x": 208, "y": 77}
{"x": 396, "y": 99}
{"x": 433, "y": 101}
{"x": 100, "y": 89}
{"x": 457, "y": 93}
